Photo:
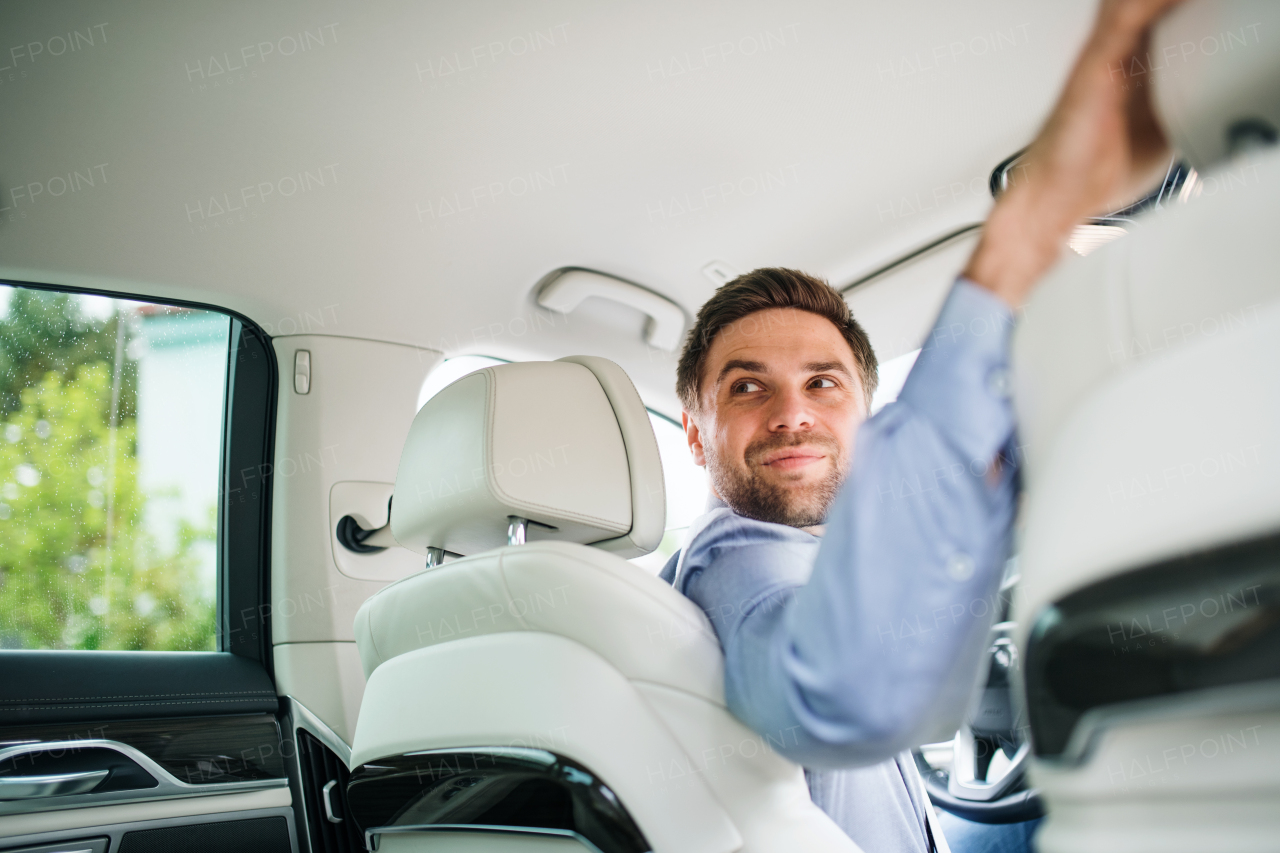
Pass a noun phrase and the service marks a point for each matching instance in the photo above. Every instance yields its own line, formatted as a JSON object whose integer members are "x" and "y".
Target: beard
{"x": 749, "y": 494}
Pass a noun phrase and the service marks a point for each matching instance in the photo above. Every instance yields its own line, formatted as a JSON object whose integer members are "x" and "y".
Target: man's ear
{"x": 694, "y": 437}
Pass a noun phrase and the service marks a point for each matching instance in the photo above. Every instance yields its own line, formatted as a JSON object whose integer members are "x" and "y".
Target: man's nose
{"x": 790, "y": 411}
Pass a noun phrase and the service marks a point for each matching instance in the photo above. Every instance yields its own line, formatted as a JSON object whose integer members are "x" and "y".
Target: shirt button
{"x": 999, "y": 383}
{"x": 960, "y": 566}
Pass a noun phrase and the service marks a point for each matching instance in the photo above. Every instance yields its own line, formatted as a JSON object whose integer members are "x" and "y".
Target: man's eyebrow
{"x": 740, "y": 364}
{"x": 828, "y": 367}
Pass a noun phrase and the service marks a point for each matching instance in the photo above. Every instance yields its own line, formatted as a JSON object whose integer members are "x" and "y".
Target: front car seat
{"x": 541, "y": 693}
{"x": 1148, "y": 391}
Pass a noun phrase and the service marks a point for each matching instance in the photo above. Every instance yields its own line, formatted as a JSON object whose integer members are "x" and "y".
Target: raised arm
{"x": 858, "y": 663}
{"x": 879, "y": 649}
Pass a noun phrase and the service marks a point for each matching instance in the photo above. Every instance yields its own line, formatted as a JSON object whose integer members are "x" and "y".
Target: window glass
{"x": 110, "y": 439}
{"x": 687, "y": 490}
{"x": 892, "y": 376}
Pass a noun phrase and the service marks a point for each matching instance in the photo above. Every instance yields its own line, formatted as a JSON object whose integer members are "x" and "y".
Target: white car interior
{"x": 455, "y": 249}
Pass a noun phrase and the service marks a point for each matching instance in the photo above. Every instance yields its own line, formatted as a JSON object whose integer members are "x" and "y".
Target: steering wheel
{"x": 983, "y": 778}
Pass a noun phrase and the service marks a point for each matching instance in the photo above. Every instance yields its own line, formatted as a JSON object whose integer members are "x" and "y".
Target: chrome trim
{"x": 999, "y": 181}
{"x": 435, "y": 556}
{"x": 328, "y": 804}
{"x": 540, "y": 756}
{"x": 303, "y": 718}
{"x": 371, "y": 835}
{"x": 964, "y": 783}
{"x": 517, "y": 529}
{"x": 168, "y": 787}
{"x": 60, "y": 785}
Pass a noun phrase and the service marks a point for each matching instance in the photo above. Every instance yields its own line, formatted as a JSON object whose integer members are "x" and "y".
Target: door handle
{"x": 59, "y": 785}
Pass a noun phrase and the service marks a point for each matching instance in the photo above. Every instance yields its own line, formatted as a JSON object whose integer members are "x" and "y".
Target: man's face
{"x": 780, "y": 400}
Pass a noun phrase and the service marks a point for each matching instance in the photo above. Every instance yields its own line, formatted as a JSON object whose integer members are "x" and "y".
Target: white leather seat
{"x": 559, "y": 646}
{"x": 1148, "y": 380}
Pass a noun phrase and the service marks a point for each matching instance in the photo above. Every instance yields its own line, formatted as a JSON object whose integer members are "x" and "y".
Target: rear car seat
{"x": 546, "y": 694}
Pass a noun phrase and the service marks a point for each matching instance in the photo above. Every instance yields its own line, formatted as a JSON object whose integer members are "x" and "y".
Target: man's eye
{"x": 822, "y": 383}
{"x": 746, "y": 387}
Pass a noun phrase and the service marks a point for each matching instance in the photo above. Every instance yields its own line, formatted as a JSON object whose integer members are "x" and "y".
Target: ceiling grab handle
{"x": 566, "y": 292}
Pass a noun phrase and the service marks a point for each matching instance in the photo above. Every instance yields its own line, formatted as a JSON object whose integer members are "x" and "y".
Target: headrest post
{"x": 516, "y": 529}
{"x": 435, "y": 556}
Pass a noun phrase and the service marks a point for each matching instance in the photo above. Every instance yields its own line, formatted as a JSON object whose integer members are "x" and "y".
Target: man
{"x": 866, "y": 640}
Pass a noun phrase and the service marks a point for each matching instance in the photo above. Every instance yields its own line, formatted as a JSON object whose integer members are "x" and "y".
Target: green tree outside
{"x": 78, "y": 570}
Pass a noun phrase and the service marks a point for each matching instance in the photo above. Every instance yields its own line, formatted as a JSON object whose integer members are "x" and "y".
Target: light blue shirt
{"x": 867, "y": 642}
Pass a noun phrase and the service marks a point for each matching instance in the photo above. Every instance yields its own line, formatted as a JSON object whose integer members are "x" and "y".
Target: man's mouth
{"x": 791, "y": 458}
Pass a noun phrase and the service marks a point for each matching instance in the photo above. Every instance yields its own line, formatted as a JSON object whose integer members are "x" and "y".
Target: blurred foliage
{"x": 46, "y": 330}
{"x": 78, "y": 569}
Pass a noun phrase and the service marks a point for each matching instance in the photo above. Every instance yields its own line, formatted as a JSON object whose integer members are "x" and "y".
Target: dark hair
{"x": 760, "y": 290}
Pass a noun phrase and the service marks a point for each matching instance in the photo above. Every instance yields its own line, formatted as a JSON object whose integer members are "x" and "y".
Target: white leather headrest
{"x": 1215, "y": 68}
{"x": 566, "y": 444}
{"x": 1192, "y": 272}
{"x": 1144, "y": 381}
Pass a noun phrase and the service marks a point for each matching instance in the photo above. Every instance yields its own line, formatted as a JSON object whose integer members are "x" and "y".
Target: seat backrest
{"x": 531, "y": 667}
{"x": 1148, "y": 404}
{"x": 636, "y": 622}
{"x": 1187, "y": 278}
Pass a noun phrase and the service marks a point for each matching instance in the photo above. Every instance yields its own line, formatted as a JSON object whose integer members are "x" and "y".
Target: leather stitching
{"x": 652, "y": 444}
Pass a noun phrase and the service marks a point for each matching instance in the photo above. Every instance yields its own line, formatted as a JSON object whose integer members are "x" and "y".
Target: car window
{"x": 892, "y": 375}
{"x": 111, "y": 415}
{"x": 687, "y": 489}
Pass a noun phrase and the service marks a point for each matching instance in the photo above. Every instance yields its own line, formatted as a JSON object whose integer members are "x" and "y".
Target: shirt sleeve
{"x": 878, "y": 649}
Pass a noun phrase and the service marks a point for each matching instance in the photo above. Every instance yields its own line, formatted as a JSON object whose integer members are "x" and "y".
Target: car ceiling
{"x": 448, "y": 157}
